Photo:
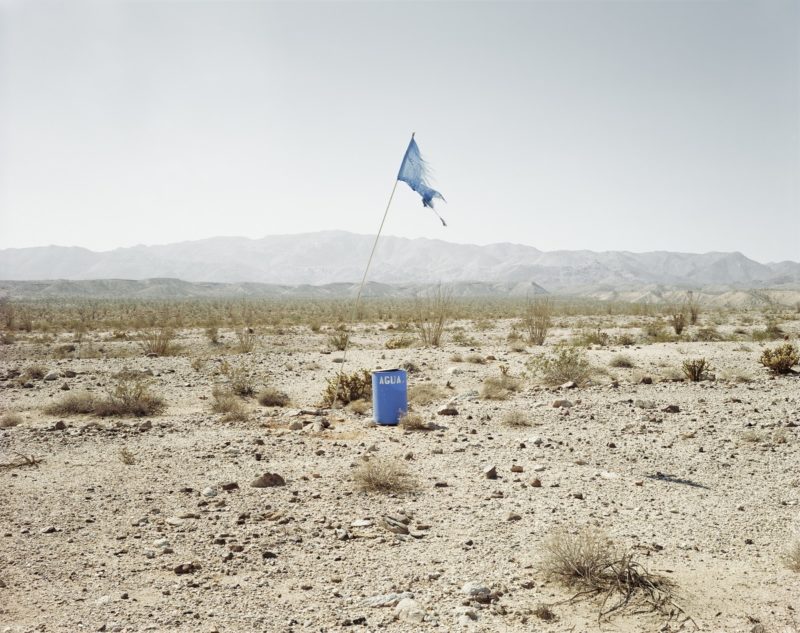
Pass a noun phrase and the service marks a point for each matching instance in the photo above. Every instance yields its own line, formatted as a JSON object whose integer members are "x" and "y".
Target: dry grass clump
{"x": 695, "y": 369}
{"x": 131, "y": 396}
{"x": 425, "y": 393}
{"x": 227, "y": 403}
{"x": 772, "y": 332}
{"x": 536, "y": 320}
{"x": 247, "y": 339}
{"x": 272, "y": 397}
{"x": 126, "y": 456}
{"x": 589, "y": 562}
{"x": 621, "y": 361}
{"x": 158, "y": 342}
{"x": 792, "y": 556}
{"x": 399, "y": 342}
{"x": 344, "y": 388}
{"x": 383, "y": 475}
{"x": 34, "y": 372}
{"x": 456, "y": 358}
{"x": 736, "y": 374}
{"x": 780, "y": 360}
{"x": 359, "y": 406}
{"x": 75, "y": 403}
{"x": 10, "y": 419}
{"x": 475, "y": 359}
{"x": 543, "y": 612}
{"x": 431, "y": 315}
{"x": 414, "y": 422}
{"x": 516, "y": 418}
{"x": 240, "y": 381}
{"x": 569, "y": 364}
{"x": 500, "y": 387}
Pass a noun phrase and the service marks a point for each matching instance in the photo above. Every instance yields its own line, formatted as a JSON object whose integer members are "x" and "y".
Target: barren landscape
{"x": 238, "y": 499}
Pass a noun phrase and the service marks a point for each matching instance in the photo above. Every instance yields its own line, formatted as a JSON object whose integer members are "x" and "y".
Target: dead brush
{"x": 414, "y": 422}
{"x": 126, "y": 456}
{"x": 226, "y": 402}
{"x": 695, "y": 369}
{"x": 76, "y": 403}
{"x": 384, "y": 476}
{"x": 160, "y": 342}
{"x": 272, "y": 397}
{"x": 10, "y": 419}
{"x": 21, "y": 461}
{"x": 589, "y": 562}
{"x": 247, "y": 339}
{"x": 130, "y": 396}
{"x": 500, "y": 387}
{"x": 425, "y": 393}
{"x": 344, "y": 388}
{"x": 516, "y": 419}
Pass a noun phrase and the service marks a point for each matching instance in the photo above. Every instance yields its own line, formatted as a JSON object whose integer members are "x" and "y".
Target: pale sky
{"x": 624, "y": 125}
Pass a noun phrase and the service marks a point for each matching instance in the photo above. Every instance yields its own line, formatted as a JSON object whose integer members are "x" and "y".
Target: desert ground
{"x": 112, "y": 521}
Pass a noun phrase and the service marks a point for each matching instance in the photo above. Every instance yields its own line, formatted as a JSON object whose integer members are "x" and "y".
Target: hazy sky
{"x": 638, "y": 126}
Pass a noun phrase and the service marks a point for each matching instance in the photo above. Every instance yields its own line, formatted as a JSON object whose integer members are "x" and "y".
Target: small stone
{"x": 65, "y": 387}
{"x": 361, "y": 523}
{"x": 51, "y": 375}
{"x": 671, "y": 408}
{"x": 646, "y": 380}
{"x": 561, "y": 403}
{"x": 536, "y": 483}
{"x": 60, "y": 425}
{"x": 577, "y": 495}
{"x": 268, "y": 480}
{"x": 516, "y": 469}
{"x": 393, "y": 525}
{"x": 513, "y": 516}
{"x": 386, "y": 600}
{"x": 296, "y": 425}
{"x": 209, "y": 492}
{"x": 186, "y": 568}
{"x": 569, "y": 385}
{"x": 448, "y": 411}
{"x": 230, "y": 486}
{"x": 475, "y": 589}
{"x": 342, "y": 535}
{"x": 408, "y": 610}
{"x": 490, "y": 472}
{"x": 266, "y": 555}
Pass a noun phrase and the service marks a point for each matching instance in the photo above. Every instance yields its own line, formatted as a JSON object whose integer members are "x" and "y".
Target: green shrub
{"x": 780, "y": 360}
{"x": 569, "y": 364}
{"x": 131, "y": 396}
{"x": 345, "y": 388}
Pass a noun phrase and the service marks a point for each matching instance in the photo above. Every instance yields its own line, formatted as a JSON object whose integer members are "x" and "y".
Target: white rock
{"x": 455, "y": 371}
{"x": 51, "y": 375}
{"x": 386, "y": 600}
{"x": 361, "y": 523}
{"x": 209, "y": 492}
{"x": 474, "y": 588}
{"x": 162, "y": 542}
{"x": 408, "y": 610}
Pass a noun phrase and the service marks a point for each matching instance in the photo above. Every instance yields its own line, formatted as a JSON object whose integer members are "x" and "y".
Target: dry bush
{"x": 7, "y": 338}
{"x": 34, "y": 372}
{"x": 456, "y": 358}
{"x": 197, "y": 363}
{"x": 272, "y": 397}
{"x": 593, "y": 337}
{"x": 10, "y": 419}
{"x": 772, "y": 332}
{"x": 780, "y": 360}
{"x": 695, "y": 369}
{"x": 399, "y": 342}
{"x": 247, "y": 340}
{"x": 625, "y": 340}
{"x": 383, "y": 475}
{"x": 359, "y": 406}
{"x": 131, "y": 396}
{"x": 569, "y": 364}
{"x": 226, "y": 402}
{"x": 212, "y": 334}
{"x": 708, "y": 335}
{"x": 621, "y": 361}
{"x": 344, "y": 388}
{"x": 475, "y": 359}
{"x": 127, "y": 457}
{"x": 545, "y": 613}
{"x": 752, "y": 436}
{"x": 75, "y": 403}
{"x": 536, "y": 320}
{"x": 500, "y": 387}
{"x": 736, "y": 374}
{"x": 655, "y": 332}
{"x": 158, "y": 342}
{"x": 516, "y": 418}
{"x": 240, "y": 381}
{"x": 432, "y": 314}
{"x": 792, "y": 556}
{"x": 413, "y": 422}
{"x": 339, "y": 340}
{"x": 693, "y": 307}
{"x": 589, "y": 562}
{"x": 425, "y": 393}
{"x": 676, "y": 316}
{"x": 461, "y": 338}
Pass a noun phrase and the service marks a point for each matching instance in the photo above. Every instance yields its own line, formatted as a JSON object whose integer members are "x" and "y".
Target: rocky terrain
{"x": 182, "y": 521}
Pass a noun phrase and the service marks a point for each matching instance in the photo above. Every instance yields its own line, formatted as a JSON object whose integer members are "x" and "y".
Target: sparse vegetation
{"x": 399, "y": 342}
{"x": 424, "y": 393}
{"x": 432, "y": 314}
{"x": 75, "y": 403}
{"x": 226, "y": 402}
{"x": 126, "y": 456}
{"x": 695, "y": 369}
{"x": 676, "y": 316}
{"x": 130, "y": 396}
{"x": 515, "y": 419}
{"x": 272, "y": 397}
{"x": 247, "y": 339}
{"x": 568, "y": 364}
{"x": 338, "y": 340}
{"x": 413, "y": 422}
{"x": 344, "y": 388}
{"x": 241, "y": 383}
{"x": 500, "y": 387}
{"x": 621, "y": 361}
{"x": 158, "y": 342}
{"x": 536, "y": 320}
{"x": 383, "y": 475}
{"x": 780, "y": 360}
{"x": 10, "y": 419}
{"x": 792, "y": 556}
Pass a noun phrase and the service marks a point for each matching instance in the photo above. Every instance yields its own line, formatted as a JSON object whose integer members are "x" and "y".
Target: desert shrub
{"x": 338, "y": 340}
{"x": 383, "y": 475}
{"x": 516, "y": 418}
{"x": 344, "y": 388}
{"x": 589, "y": 562}
{"x": 475, "y": 359}
{"x": 657, "y": 333}
{"x": 500, "y": 387}
{"x": 10, "y": 419}
{"x": 272, "y": 397}
{"x": 399, "y": 342}
{"x": 158, "y": 342}
{"x": 226, "y": 402}
{"x": 197, "y": 363}
{"x": 736, "y": 374}
{"x": 359, "y": 406}
{"x": 708, "y": 334}
{"x": 34, "y": 372}
{"x": 130, "y": 396}
{"x": 74, "y": 403}
{"x": 247, "y": 339}
{"x": 212, "y": 334}
{"x": 621, "y": 361}
{"x": 677, "y": 318}
{"x": 625, "y": 340}
{"x": 241, "y": 382}
{"x": 126, "y": 456}
{"x": 545, "y": 613}
{"x": 431, "y": 315}
{"x": 780, "y": 360}
{"x": 7, "y": 338}
{"x": 772, "y": 332}
{"x": 456, "y": 358}
{"x": 792, "y": 556}
{"x": 692, "y": 307}
{"x": 424, "y": 393}
{"x": 694, "y": 369}
{"x": 537, "y": 319}
{"x": 752, "y": 436}
{"x": 413, "y": 422}
{"x": 569, "y": 364}
{"x": 593, "y": 337}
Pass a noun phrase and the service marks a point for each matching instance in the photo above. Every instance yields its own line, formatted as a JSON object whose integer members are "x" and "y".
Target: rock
{"x": 59, "y": 426}
{"x": 162, "y": 543}
{"x": 671, "y": 408}
{"x": 70, "y": 374}
{"x": 448, "y": 411}
{"x": 145, "y": 426}
{"x": 465, "y": 615}
{"x": 393, "y": 525}
{"x": 51, "y": 375}
{"x": 569, "y": 385}
{"x": 65, "y": 387}
{"x": 561, "y": 403}
{"x": 644, "y": 404}
{"x": 186, "y": 568}
{"x": 268, "y": 480}
{"x": 386, "y": 600}
{"x": 408, "y": 610}
{"x": 536, "y": 440}
{"x": 361, "y": 523}
{"x": 646, "y": 380}
{"x": 490, "y": 472}
{"x": 517, "y": 469}
{"x": 342, "y": 535}
{"x": 455, "y": 371}
{"x": 228, "y": 487}
{"x": 578, "y": 495}
{"x": 536, "y": 483}
{"x": 266, "y": 555}
{"x": 513, "y": 516}
{"x": 209, "y": 492}
{"x": 474, "y": 589}
{"x": 318, "y": 426}
{"x": 296, "y": 425}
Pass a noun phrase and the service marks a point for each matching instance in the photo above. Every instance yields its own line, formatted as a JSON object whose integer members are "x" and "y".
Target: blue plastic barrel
{"x": 389, "y": 395}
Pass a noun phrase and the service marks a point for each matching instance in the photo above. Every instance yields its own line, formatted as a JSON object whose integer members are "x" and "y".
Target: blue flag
{"x": 414, "y": 171}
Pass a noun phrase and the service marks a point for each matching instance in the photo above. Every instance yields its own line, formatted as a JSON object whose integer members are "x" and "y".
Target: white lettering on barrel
{"x": 390, "y": 380}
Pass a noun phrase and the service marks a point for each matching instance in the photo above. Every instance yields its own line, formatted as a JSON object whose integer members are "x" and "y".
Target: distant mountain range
{"x": 336, "y": 257}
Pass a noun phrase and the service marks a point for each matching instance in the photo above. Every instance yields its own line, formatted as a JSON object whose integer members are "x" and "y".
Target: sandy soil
{"x": 90, "y": 543}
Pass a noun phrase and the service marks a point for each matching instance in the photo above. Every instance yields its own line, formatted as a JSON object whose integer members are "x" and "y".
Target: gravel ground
{"x": 706, "y": 493}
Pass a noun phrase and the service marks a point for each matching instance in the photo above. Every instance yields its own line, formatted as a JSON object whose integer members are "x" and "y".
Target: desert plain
{"x": 113, "y": 521}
